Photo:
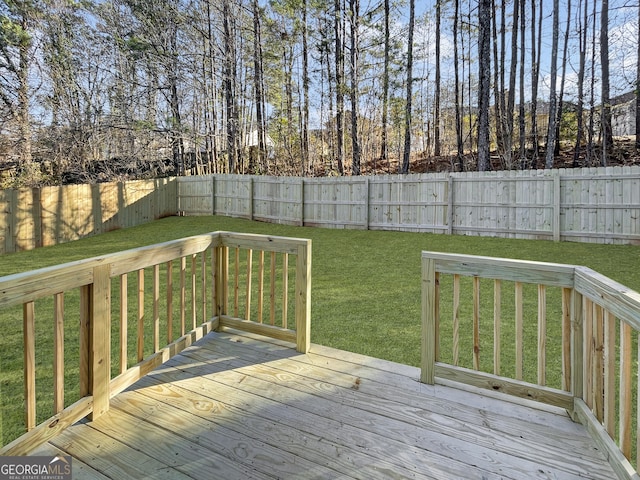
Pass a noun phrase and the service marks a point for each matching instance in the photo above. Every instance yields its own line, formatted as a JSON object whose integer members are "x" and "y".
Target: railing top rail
{"x": 526, "y": 271}
{"x": 621, "y": 301}
{"x": 23, "y": 287}
{"x": 263, "y": 242}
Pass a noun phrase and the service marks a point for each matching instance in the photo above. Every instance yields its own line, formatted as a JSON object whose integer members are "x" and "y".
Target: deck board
{"x": 236, "y": 405}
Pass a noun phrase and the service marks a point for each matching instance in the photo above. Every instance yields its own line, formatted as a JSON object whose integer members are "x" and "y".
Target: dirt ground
{"x": 624, "y": 154}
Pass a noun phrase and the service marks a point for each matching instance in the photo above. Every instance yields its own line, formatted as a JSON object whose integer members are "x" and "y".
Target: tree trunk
{"x": 229, "y": 88}
{"x": 512, "y": 86}
{"x": 496, "y": 84}
{"x": 582, "y": 35}
{"x": 605, "y": 121}
{"x": 456, "y": 69}
{"x": 484, "y": 61}
{"x": 521, "y": 110}
{"x": 23, "y": 115}
{"x": 257, "y": 79}
{"x": 556, "y": 148}
{"x": 535, "y": 75}
{"x": 306, "y": 167}
{"x": 436, "y": 119}
{"x": 384, "y": 144}
{"x": 404, "y": 169}
{"x": 354, "y": 14}
{"x": 551, "y": 130}
{"x": 339, "y": 54}
{"x": 637, "y": 143}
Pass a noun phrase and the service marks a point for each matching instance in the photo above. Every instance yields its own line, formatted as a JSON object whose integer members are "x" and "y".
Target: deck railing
{"x": 570, "y": 342}
{"x": 118, "y": 310}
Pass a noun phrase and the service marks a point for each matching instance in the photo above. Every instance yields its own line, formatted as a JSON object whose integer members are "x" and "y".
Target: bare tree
{"x": 535, "y": 73}
{"x": 551, "y": 130}
{"x": 436, "y": 108}
{"x": 404, "y": 168}
{"x": 354, "y": 18}
{"x": 339, "y": 88}
{"x": 16, "y": 61}
{"x": 384, "y": 143}
{"x": 583, "y": 8}
{"x": 605, "y": 117}
{"x": 229, "y": 87}
{"x": 484, "y": 54}
{"x": 637, "y": 143}
{"x": 458, "y": 121}
{"x": 258, "y": 85}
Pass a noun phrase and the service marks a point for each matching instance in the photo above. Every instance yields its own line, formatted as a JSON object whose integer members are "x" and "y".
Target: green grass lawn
{"x": 365, "y": 284}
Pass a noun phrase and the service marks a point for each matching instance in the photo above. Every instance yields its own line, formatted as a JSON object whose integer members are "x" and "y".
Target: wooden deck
{"x": 239, "y": 406}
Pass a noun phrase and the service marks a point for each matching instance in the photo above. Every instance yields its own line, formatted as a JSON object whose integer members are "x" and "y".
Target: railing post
{"x": 303, "y": 298}
{"x": 428, "y": 356}
{"x": 100, "y": 339}
{"x": 220, "y": 278}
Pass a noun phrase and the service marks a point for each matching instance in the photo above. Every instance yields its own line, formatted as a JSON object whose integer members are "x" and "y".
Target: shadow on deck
{"x": 236, "y": 405}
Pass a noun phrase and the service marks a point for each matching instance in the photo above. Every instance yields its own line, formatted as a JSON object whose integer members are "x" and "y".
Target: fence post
{"x": 556, "y": 205}
{"x": 450, "y": 205}
{"x": 100, "y": 339}
{"x": 303, "y": 298}
{"x": 428, "y": 356}
{"x": 302, "y": 201}
{"x": 213, "y": 194}
{"x": 250, "y": 197}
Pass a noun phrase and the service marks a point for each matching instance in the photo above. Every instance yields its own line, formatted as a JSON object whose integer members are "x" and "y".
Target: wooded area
{"x": 110, "y": 90}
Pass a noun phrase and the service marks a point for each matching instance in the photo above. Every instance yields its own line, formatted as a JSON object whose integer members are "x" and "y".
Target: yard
{"x": 365, "y": 289}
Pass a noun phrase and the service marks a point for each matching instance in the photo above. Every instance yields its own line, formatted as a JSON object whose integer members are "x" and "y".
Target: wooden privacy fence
{"x": 589, "y": 204}
{"x": 570, "y": 340}
{"x": 38, "y": 217}
{"x": 178, "y": 291}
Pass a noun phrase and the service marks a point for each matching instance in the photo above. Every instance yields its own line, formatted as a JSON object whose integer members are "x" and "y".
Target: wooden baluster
{"x": 610, "y": 373}
{"x": 437, "y": 313}
{"x": 156, "y": 308}
{"x": 519, "y": 330}
{"x": 628, "y": 422}
{"x": 598, "y": 364}
{"x": 497, "y": 323}
{"x": 578, "y": 345}
{"x": 260, "y": 285}
{"x": 225, "y": 279}
{"x": 566, "y": 339}
{"x": 456, "y": 319}
{"x": 588, "y": 352}
{"x": 542, "y": 335}
{"x": 124, "y": 322}
{"x": 272, "y": 292}
{"x": 203, "y": 284}
{"x": 476, "y": 323}
{"x": 58, "y": 352}
{"x": 140, "y": 314}
{"x": 86, "y": 295}
{"x": 626, "y": 390}
{"x": 247, "y": 310}
{"x": 183, "y": 294}
{"x": 194, "y": 306}
{"x": 169, "y": 301}
{"x": 29, "y": 345}
{"x": 236, "y": 284}
{"x": 285, "y": 288}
